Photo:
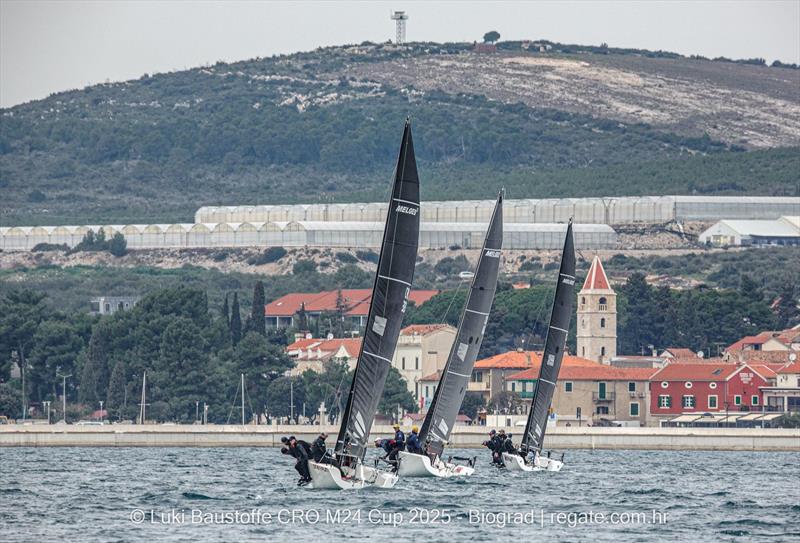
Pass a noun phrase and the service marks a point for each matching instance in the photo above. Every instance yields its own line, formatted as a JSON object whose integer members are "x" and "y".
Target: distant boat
{"x": 387, "y": 308}
{"x": 529, "y": 457}
{"x": 449, "y": 395}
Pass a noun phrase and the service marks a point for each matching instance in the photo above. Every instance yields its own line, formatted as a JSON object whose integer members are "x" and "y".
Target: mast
{"x": 553, "y": 353}
{"x": 142, "y": 407}
{"x": 243, "y": 399}
{"x": 449, "y": 395}
{"x": 387, "y": 307}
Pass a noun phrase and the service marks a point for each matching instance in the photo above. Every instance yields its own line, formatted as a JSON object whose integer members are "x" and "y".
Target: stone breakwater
{"x": 124, "y": 435}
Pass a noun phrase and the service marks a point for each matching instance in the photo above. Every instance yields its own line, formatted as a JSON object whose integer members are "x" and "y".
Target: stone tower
{"x": 597, "y": 317}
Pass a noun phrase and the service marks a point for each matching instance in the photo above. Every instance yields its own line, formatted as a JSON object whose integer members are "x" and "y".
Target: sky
{"x": 51, "y": 46}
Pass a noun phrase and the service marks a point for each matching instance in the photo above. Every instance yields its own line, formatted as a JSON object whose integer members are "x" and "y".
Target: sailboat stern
{"x": 514, "y": 462}
{"x": 419, "y": 465}
{"x": 331, "y": 477}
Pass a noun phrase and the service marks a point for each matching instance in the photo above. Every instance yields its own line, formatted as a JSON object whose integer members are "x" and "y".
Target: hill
{"x": 324, "y": 125}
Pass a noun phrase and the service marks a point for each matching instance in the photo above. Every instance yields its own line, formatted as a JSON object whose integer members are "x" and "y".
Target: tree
{"x": 304, "y": 267}
{"x": 21, "y": 312}
{"x": 92, "y": 383}
{"x": 261, "y": 362}
{"x": 491, "y": 37}
{"x": 471, "y": 404}
{"x": 183, "y": 368}
{"x": 10, "y": 401}
{"x": 280, "y": 394}
{"x": 787, "y": 310}
{"x": 302, "y": 317}
{"x": 56, "y": 347}
{"x": 258, "y": 320}
{"x": 116, "y": 398}
{"x": 395, "y": 392}
{"x": 236, "y": 320}
{"x": 226, "y": 312}
{"x": 329, "y": 386}
{"x": 118, "y": 246}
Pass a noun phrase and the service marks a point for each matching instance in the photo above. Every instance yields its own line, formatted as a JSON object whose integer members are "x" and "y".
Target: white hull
{"x": 515, "y": 462}
{"x": 327, "y": 476}
{"x": 419, "y": 465}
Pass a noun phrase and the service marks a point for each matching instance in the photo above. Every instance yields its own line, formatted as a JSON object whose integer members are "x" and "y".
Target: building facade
{"x": 108, "y": 305}
{"x": 597, "y": 316}
{"x": 422, "y": 350}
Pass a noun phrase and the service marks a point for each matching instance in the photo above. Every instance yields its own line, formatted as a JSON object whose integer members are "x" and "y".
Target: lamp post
{"x": 101, "y": 411}
{"x": 197, "y": 411}
{"x": 47, "y": 406}
{"x": 64, "y": 395}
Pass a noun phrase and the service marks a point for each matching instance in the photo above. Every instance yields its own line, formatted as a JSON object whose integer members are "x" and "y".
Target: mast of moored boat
{"x": 555, "y": 344}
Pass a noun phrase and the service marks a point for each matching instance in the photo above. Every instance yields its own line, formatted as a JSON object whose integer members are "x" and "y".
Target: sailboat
{"x": 449, "y": 395}
{"x": 529, "y": 457}
{"x": 387, "y": 308}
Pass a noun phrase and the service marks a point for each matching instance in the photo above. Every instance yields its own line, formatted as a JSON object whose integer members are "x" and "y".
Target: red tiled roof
{"x": 422, "y": 329}
{"x": 351, "y": 345}
{"x": 681, "y": 352}
{"x": 302, "y": 344}
{"x": 527, "y": 359}
{"x": 696, "y": 372}
{"x": 435, "y": 377}
{"x": 695, "y": 360}
{"x": 356, "y": 301}
{"x": 598, "y": 372}
{"x": 783, "y": 336}
{"x": 794, "y": 367}
{"x": 596, "y": 279}
{"x": 761, "y": 357}
{"x": 463, "y": 418}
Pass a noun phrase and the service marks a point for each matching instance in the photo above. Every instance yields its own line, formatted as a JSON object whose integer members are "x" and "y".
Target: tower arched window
{"x": 583, "y": 300}
{"x": 602, "y": 303}
{"x": 602, "y": 351}
{"x": 602, "y": 323}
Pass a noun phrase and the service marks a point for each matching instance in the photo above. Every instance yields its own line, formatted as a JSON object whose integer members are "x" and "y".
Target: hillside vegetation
{"x": 324, "y": 126}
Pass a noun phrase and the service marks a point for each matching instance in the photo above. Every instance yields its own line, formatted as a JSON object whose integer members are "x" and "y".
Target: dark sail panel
{"x": 387, "y": 308}
{"x": 554, "y": 346}
{"x": 449, "y": 395}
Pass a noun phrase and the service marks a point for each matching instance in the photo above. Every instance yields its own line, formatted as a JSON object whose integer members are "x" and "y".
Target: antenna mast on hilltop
{"x": 400, "y": 18}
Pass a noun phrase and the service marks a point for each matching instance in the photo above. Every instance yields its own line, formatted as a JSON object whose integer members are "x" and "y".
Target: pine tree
{"x": 226, "y": 312}
{"x": 258, "y": 320}
{"x": 94, "y": 369}
{"x": 302, "y": 317}
{"x": 115, "y": 399}
{"x": 236, "y": 320}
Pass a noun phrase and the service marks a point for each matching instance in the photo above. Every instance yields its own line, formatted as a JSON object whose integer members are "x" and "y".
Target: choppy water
{"x": 91, "y": 494}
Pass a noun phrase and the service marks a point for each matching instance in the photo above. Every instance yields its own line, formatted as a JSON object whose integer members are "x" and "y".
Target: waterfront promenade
{"x": 159, "y": 435}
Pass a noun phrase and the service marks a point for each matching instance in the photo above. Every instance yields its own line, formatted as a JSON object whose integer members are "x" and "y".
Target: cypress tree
{"x": 115, "y": 398}
{"x": 258, "y": 320}
{"x": 236, "y": 320}
{"x": 226, "y": 312}
{"x": 94, "y": 368}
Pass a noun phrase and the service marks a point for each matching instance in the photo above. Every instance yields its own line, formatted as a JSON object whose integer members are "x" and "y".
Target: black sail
{"x": 449, "y": 395}
{"x": 387, "y": 307}
{"x": 554, "y": 346}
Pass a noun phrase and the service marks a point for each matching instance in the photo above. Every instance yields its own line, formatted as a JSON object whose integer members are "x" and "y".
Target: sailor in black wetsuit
{"x": 508, "y": 445}
{"x": 494, "y": 444}
{"x": 319, "y": 450}
{"x": 301, "y": 451}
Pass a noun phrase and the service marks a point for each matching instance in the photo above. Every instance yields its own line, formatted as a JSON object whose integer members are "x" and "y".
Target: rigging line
{"x": 453, "y": 299}
{"x": 233, "y": 405}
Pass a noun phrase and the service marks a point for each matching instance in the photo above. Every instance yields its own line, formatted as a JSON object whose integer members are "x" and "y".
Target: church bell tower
{"x": 597, "y": 316}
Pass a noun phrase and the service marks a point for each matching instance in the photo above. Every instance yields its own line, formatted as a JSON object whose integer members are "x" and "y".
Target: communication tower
{"x": 400, "y": 18}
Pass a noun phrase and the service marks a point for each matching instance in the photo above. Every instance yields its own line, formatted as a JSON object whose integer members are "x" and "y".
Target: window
{"x": 631, "y": 386}
{"x": 688, "y": 384}
{"x": 712, "y": 385}
{"x": 602, "y": 351}
{"x": 583, "y": 323}
{"x": 664, "y": 384}
{"x": 403, "y": 362}
{"x": 427, "y": 391}
{"x": 513, "y": 386}
{"x": 477, "y": 377}
{"x": 602, "y": 304}
{"x": 583, "y": 300}
{"x": 737, "y": 400}
{"x": 754, "y": 400}
{"x": 602, "y": 410}
{"x": 688, "y": 402}
{"x": 583, "y": 352}
{"x": 602, "y": 323}
{"x": 524, "y": 386}
{"x": 634, "y": 409}
{"x": 712, "y": 402}
{"x": 568, "y": 386}
{"x": 416, "y": 362}
{"x": 664, "y": 401}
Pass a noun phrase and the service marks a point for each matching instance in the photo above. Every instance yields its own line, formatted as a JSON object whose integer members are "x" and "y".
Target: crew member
{"x": 494, "y": 444}
{"x": 301, "y": 451}
{"x": 318, "y": 448}
{"x": 413, "y": 445}
{"x": 508, "y": 445}
{"x": 398, "y": 443}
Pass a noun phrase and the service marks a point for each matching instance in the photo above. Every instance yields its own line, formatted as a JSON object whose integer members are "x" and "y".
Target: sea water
{"x": 250, "y": 494}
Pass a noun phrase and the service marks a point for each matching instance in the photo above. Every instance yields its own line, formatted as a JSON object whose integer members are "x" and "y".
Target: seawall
{"x": 125, "y": 435}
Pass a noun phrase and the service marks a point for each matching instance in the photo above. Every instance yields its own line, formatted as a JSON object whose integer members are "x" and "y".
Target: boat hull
{"x": 419, "y": 465}
{"x": 327, "y": 476}
{"x": 514, "y": 462}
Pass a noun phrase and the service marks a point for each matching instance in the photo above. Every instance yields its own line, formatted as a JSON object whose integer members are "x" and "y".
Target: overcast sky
{"x": 50, "y": 46}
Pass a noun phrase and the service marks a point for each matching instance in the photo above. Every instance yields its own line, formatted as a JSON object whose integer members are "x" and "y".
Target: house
{"x": 312, "y": 354}
{"x": 427, "y": 388}
{"x": 784, "y": 395}
{"x": 416, "y": 419}
{"x": 593, "y": 393}
{"x": 781, "y": 340}
{"x": 489, "y": 375}
{"x": 108, "y": 305}
{"x": 698, "y": 388}
{"x": 422, "y": 350}
{"x": 354, "y": 303}
{"x": 782, "y": 231}
{"x": 678, "y": 353}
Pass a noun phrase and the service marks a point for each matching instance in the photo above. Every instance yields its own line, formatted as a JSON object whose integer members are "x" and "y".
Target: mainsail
{"x": 554, "y": 346}
{"x": 449, "y": 395}
{"x": 387, "y": 307}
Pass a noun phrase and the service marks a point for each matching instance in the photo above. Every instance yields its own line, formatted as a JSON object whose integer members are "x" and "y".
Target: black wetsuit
{"x": 301, "y": 451}
{"x": 319, "y": 450}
